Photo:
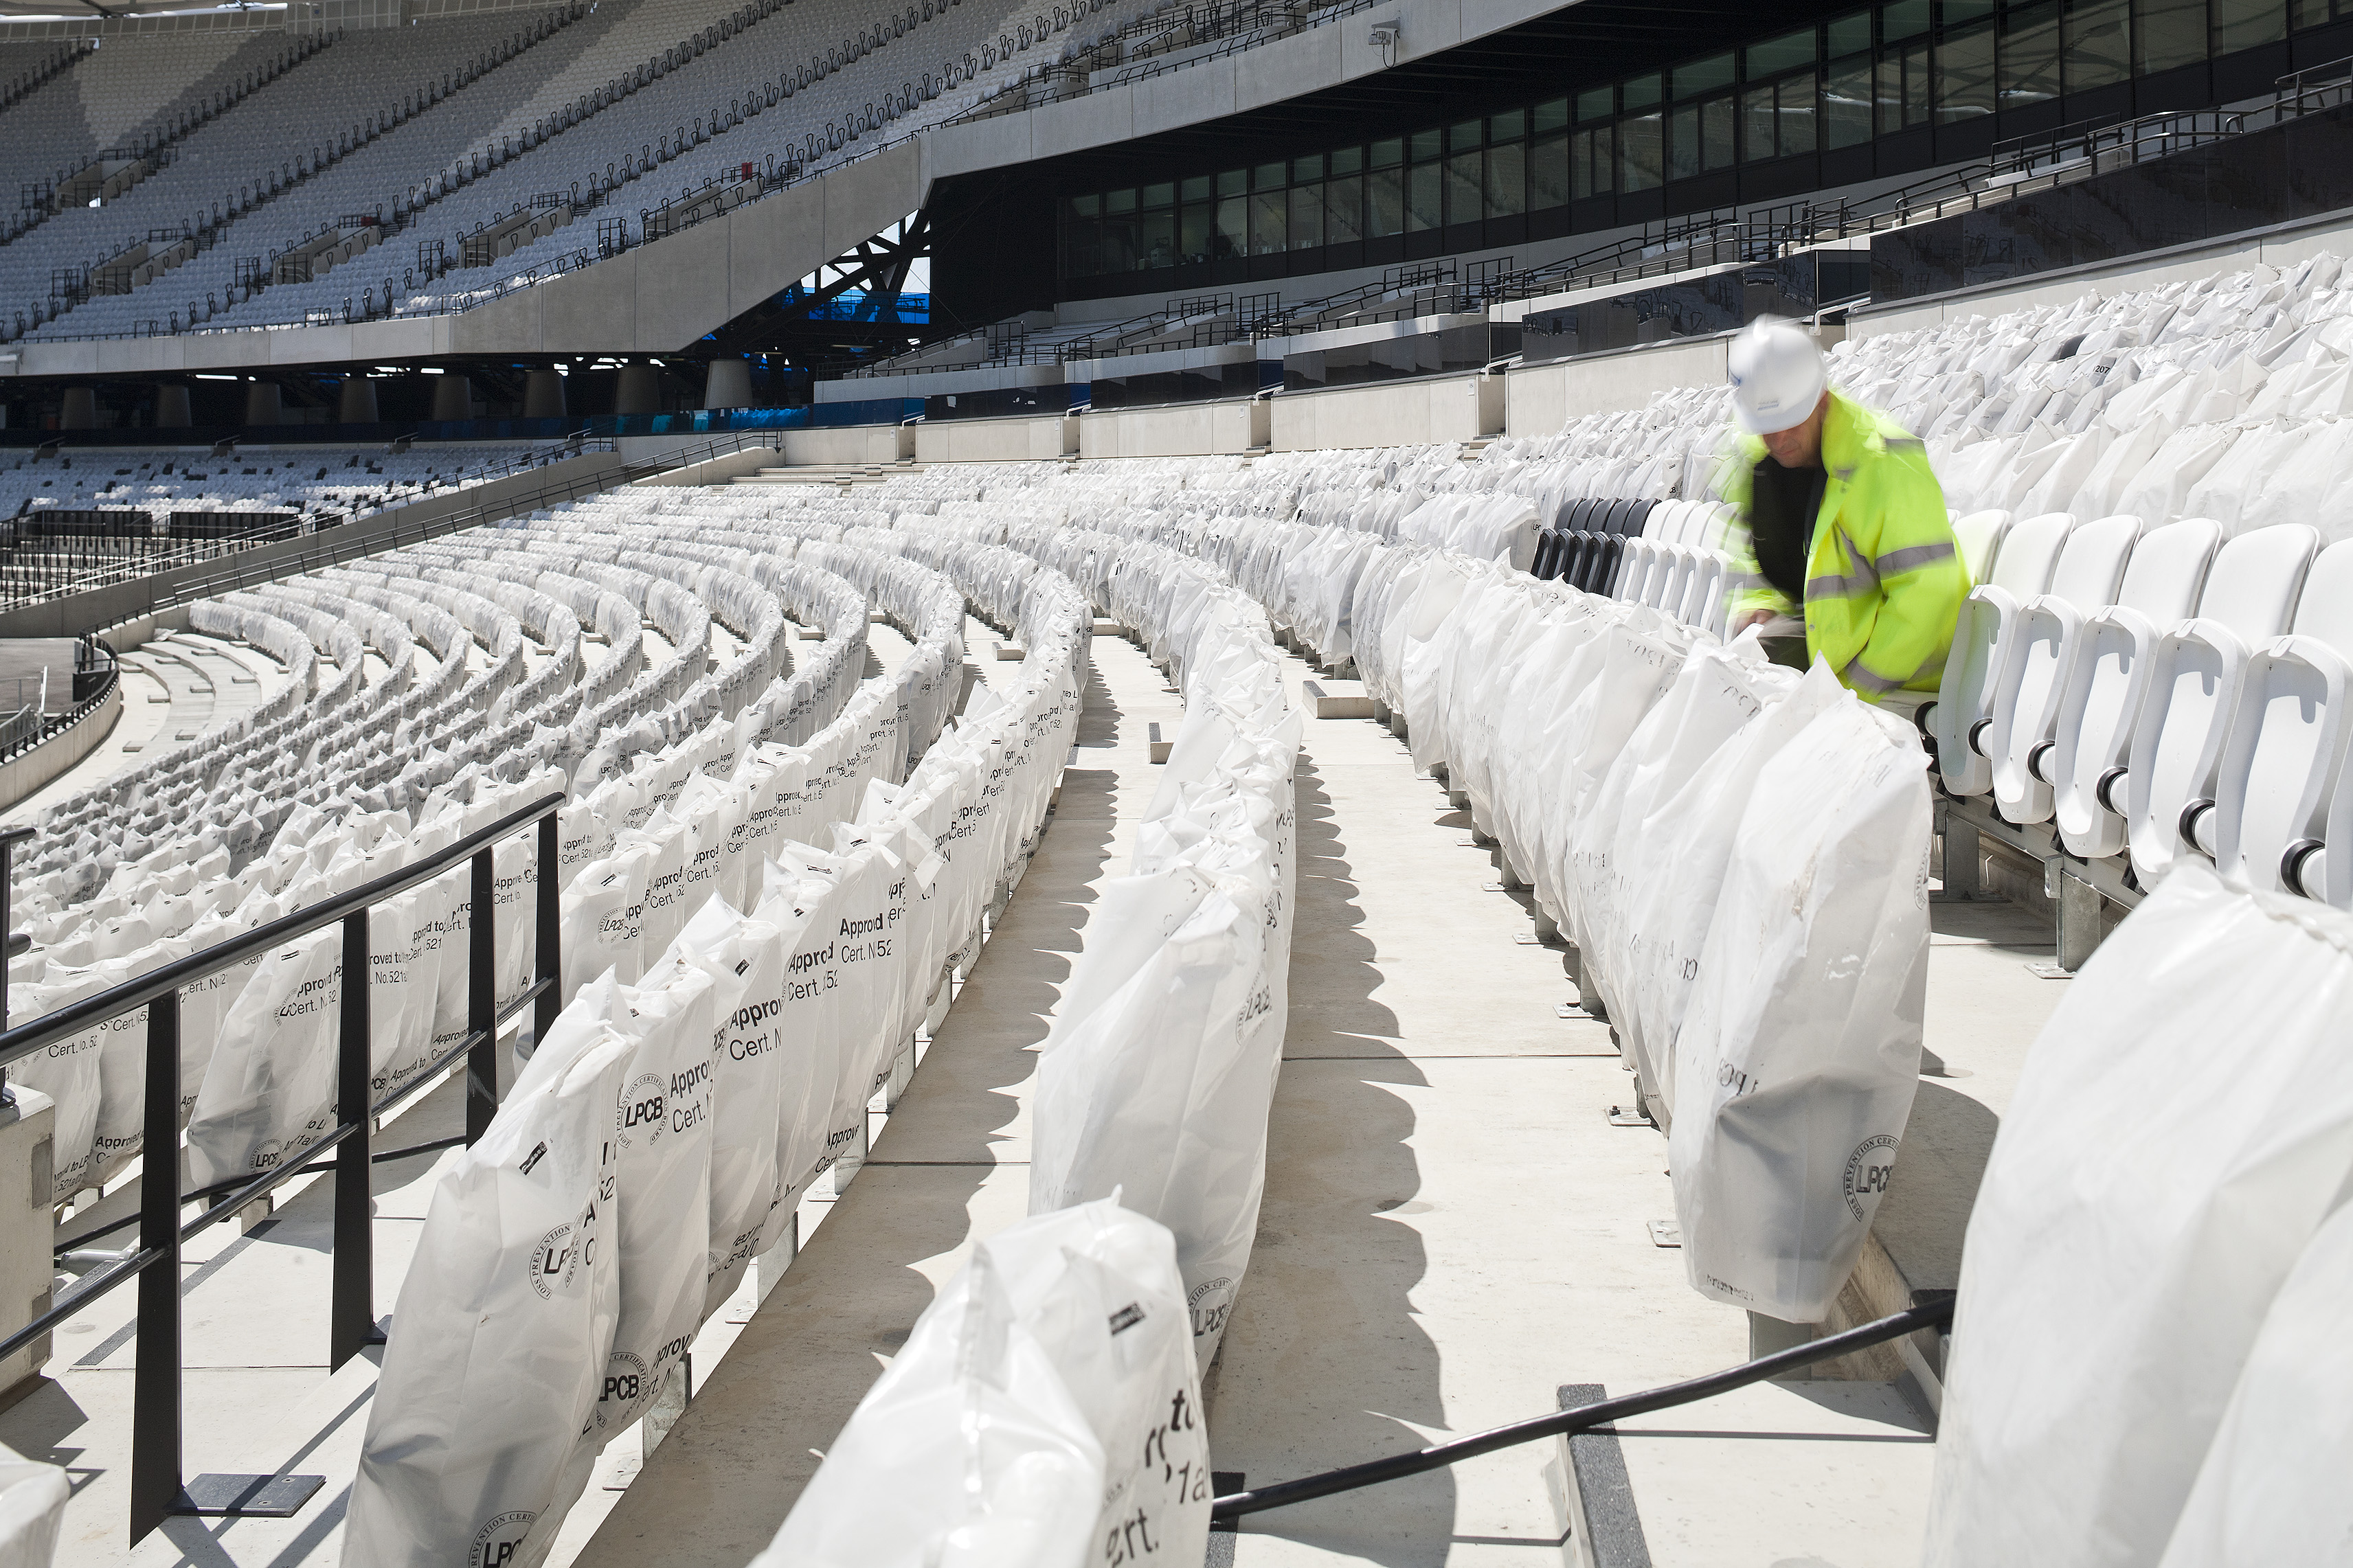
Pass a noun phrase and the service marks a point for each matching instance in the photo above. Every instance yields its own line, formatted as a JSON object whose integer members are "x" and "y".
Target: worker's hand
{"x": 1747, "y": 618}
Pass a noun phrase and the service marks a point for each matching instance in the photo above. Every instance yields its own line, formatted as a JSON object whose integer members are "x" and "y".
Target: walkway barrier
{"x": 158, "y": 1488}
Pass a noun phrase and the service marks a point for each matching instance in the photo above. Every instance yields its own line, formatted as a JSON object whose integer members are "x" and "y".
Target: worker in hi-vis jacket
{"x": 1841, "y": 521}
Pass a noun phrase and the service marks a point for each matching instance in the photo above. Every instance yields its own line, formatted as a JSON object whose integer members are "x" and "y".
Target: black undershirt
{"x": 1782, "y": 506}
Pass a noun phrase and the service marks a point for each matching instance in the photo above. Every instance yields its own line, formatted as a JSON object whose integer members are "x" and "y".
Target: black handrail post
{"x": 549, "y": 969}
{"x": 351, "y": 1325}
{"x": 482, "y": 999}
{"x": 155, "y": 1388}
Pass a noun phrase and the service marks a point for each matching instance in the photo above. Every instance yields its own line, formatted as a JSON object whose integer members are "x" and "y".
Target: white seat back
{"x": 2257, "y": 579}
{"x": 2091, "y": 564}
{"x": 2325, "y": 608}
{"x": 2028, "y": 551}
{"x": 1980, "y": 535}
{"x": 2167, "y": 569}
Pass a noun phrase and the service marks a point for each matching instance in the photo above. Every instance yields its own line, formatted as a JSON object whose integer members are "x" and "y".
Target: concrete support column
{"x": 638, "y": 390}
{"x": 729, "y": 384}
{"x": 543, "y": 395}
{"x": 358, "y": 404}
{"x": 172, "y": 407}
{"x": 453, "y": 397}
{"x": 80, "y": 409}
{"x": 261, "y": 404}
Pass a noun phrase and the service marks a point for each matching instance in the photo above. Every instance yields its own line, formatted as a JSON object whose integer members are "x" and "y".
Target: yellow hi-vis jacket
{"x": 1884, "y": 578}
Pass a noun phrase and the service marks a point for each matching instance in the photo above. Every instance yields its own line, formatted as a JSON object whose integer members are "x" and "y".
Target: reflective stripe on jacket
{"x": 1884, "y": 578}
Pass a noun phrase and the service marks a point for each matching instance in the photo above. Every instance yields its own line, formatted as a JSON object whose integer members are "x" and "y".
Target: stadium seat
{"x": 2108, "y": 679}
{"x": 1983, "y": 637}
{"x": 2030, "y": 679}
{"x": 2196, "y": 673}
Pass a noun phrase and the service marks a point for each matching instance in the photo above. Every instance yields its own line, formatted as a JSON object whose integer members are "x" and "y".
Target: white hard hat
{"x": 1777, "y": 375}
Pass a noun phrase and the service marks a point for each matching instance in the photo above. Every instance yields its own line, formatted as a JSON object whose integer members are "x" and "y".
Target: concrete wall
{"x": 33, "y": 770}
{"x": 852, "y": 443}
{"x": 995, "y": 440}
{"x": 1389, "y": 413}
{"x": 1544, "y": 397}
{"x": 718, "y": 471}
{"x": 1176, "y": 430}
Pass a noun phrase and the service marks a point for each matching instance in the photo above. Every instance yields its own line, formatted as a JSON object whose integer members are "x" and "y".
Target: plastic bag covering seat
{"x": 2050, "y": 635}
{"x": 2196, "y": 671}
{"x": 1983, "y": 637}
{"x": 2284, "y": 753}
{"x": 2182, "y": 1127}
{"x": 2107, "y": 681}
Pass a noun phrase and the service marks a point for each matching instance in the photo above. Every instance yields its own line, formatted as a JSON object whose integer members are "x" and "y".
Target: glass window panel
{"x": 1849, "y": 35}
{"x": 1682, "y": 142}
{"x": 1086, "y": 206}
{"x": 1196, "y": 189}
{"x": 1120, "y": 201}
{"x": 1775, "y": 56}
{"x": 1888, "y": 95}
{"x": 2303, "y": 14}
{"x": 2029, "y": 55}
{"x": 1426, "y": 148}
{"x": 1593, "y": 167}
{"x": 1195, "y": 228}
{"x": 1308, "y": 169}
{"x": 1465, "y": 182}
{"x": 1715, "y": 140}
{"x": 1915, "y": 85}
{"x": 2168, "y": 34}
{"x": 1642, "y": 92}
{"x": 1118, "y": 245}
{"x": 1957, "y": 12}
{"x": 1388, "y": 154}
{"x": 1155, "y": 245}
{"x": 1965, "y": 75}
{"x": 1549, "y": 173}
{"x": 1082, "y": 247}
{"x": 2097, "y": 39}
{"x": 1469, "y": 134}
{"x": 1268, "y": 211}
{"x": 1597, "y": 103}
{"x": 1507, "y": 179}
{"x": 1797, "y": 114}
{"x": 1306, "y": 216}
{"x": 1552, "y": 116}
{"x": 1343, "y": 210}
{"x": 1384, "y": 203}
{"x": 1232, "y": 236}
{"x": 1269, "y": 177}
{"x": 1160, "y": 196}
{"x": 1846, "y": 103}
{"x": 1902, "y": 19}
{"x": 1424, "y": 199}
{"x": 1348, "y": 161}
{"x": 1710, "y": 75}
{"x": 1640, "y": 154}
{"x": 1234, "y": 182}
{"x": 2243, "y": 23}
{"x": 1508, "y": 127}
{"x": 1756, "y": 121}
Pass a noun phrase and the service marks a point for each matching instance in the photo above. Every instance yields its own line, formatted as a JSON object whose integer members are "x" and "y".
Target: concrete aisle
{"x": 1453, "y": 1228}
{"x": 949, "y": 1166}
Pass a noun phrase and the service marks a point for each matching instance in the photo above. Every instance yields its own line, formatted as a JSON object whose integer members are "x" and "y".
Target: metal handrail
{"x": 156, "y": 1476}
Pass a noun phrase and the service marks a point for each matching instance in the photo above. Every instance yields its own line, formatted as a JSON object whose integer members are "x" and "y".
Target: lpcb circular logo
{"x": 495, "y": 1542}
{"x": 1867, "y": 1170}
